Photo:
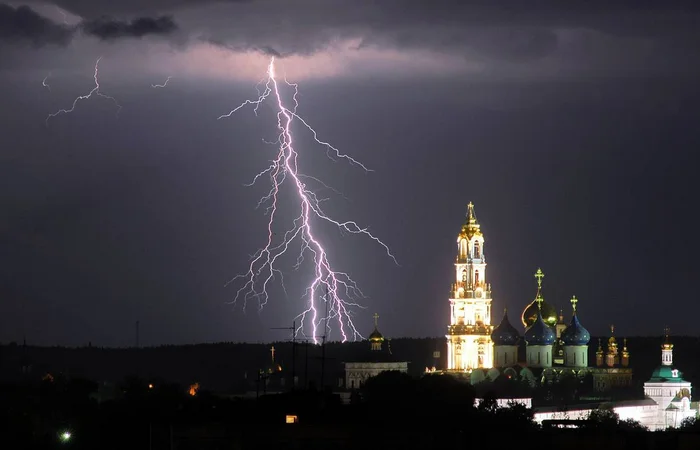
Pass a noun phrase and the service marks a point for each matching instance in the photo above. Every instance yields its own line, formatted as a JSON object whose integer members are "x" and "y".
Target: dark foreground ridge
{"x": 393, "y": 410}
{"x": 235, "y": 396}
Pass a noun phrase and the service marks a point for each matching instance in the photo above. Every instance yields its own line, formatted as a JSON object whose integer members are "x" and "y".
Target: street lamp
{"x": 65, "y": 436}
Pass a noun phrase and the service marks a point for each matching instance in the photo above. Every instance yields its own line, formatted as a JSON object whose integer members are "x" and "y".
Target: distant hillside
{"x": 228, "y": 367}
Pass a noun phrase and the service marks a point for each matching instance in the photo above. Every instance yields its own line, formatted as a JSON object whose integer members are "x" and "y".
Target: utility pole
{"x": 293, "y": 330}
{"x": 323, "y": 345}
{"x": 306, "y": 365}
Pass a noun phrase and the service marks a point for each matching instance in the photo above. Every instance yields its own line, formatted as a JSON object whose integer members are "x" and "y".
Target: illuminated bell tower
{"x": 469, "y": 344}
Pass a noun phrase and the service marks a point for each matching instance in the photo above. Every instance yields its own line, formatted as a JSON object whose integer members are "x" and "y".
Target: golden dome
{"x": 549, "y": 314}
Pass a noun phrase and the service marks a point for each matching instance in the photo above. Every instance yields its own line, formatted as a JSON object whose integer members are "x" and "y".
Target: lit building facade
{"x": 469, "y": 344}
{"x": 378, "y": 360}
{"x": 670, "y": 391}
{"x": 667, "y": 401}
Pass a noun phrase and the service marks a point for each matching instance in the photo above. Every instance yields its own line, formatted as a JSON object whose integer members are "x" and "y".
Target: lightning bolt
{"x": 44, "y": 83}
{"x": 95, "y": 90}
{"x": 63, "y": 14}
{"x": 161, "y": 85}
{"x": 331, "y": 288}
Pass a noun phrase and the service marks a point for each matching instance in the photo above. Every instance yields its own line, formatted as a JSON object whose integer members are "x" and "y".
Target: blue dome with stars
{"x": 539, "y": 333}
{"x": 575, "y": 333}
{"x": 505, "y": 333}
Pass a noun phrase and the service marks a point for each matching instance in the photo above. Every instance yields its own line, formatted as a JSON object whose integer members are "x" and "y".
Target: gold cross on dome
{"x": 539, "y": 275}
{"x": 376, "y": 319}
{"x": 574, "y": 300}
{"x": 272, "y": 351}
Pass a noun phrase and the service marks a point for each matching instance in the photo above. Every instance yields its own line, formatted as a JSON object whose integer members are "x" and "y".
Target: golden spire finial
{"x": 376, "y": 319}
{"x": 272, "y": 352}
{"x": 574, "y": 300}
{"x": 667, "y": 338}
{"x": 612, "y": 330}
{"x": 471, "y": 217}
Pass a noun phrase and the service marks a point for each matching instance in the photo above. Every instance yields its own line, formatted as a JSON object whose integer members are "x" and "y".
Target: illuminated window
{"x": 477, "y": 253}
{"x": 476, "y": 277}
{"x": 291, "y": 419}
{"x": 464, "y": 276}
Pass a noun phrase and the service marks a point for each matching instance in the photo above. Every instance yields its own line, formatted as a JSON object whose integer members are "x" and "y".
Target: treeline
{"x": 232, "y": 368}
{"x": 394, "y": 410}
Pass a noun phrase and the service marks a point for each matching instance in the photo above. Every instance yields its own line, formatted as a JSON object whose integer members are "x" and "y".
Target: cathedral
{"x": 553, "y": 348}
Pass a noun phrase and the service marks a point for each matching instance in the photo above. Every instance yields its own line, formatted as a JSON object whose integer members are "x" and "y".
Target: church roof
{"x": 376, "y": 336}
{"x": 505, "y": 333}
{"x": 538, "y": 305}
{"x": 575, "y": 333}
{"x": 539, "y": 333}
{"x": 471, "y": 227}
{"x": 666, "y": 374}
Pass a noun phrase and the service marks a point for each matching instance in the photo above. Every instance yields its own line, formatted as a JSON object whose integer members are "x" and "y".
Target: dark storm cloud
{"x": 265, "y": 49}
{"x": 107, "y": 28}
{"x": 596, "y": 34}
{"x": 24, "y": 25}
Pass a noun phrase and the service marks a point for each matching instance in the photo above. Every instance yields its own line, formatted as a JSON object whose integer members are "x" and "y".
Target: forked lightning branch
{"x": 331, "y": 296}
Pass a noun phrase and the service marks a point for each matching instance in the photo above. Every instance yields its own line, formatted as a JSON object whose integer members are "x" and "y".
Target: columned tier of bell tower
{"x": 469, "y": 343}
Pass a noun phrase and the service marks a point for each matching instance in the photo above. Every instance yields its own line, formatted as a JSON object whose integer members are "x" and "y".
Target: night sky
{"x": 572, "y": 128}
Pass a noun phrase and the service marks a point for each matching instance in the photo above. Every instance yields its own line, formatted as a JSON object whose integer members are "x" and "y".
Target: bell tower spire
{"x": 469, "y": 341}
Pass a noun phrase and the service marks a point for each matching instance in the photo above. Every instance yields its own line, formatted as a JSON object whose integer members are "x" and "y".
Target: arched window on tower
{"x": 464, "y": 275}
{"x": 476, "y": 278}
{"x": 477, "y": 251}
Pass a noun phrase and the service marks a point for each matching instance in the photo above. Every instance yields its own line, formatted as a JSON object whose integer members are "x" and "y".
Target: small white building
{"x": 378, "y": 360}
{"x": 670, "y": 392}
{"x": 666, "y": 404}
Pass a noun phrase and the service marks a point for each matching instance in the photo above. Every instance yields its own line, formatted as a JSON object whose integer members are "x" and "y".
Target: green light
{"x": 65, "y": 436}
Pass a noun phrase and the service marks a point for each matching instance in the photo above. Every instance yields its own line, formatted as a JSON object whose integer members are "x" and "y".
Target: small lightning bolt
{"x": 63, "y": 14}
{"x": 334, "y": 289}
{"x": 95, "y": 90}
{"x": 44, "y": 83}
{"x": 161, "y": 85}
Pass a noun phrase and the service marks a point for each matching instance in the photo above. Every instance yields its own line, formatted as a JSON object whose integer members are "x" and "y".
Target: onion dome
{"x": 376, "y": 336}
{"x": 575, "y": 333}
{"x": 539, "y": 333}
{"x": 505, "y": 333}
{"x": 547, "y": 311}
{"x": 539, "y": 306}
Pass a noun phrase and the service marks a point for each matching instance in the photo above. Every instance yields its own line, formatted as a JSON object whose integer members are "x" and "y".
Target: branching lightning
{"x": 95, "y": 90}
{"x": 44, "y": 83}
{"x": 161, "y": 85}
{"x": 330, "y": 290}
{"x": 63, "y": 14}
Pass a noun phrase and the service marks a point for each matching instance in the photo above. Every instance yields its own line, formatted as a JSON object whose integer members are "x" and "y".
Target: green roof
{"x": 667, "y": 374}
